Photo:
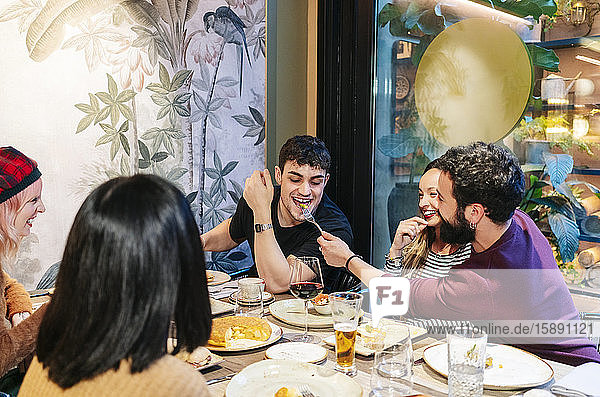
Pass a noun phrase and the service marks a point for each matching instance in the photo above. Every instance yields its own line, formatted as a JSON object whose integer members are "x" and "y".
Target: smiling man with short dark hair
{"x": 270, "y": 218}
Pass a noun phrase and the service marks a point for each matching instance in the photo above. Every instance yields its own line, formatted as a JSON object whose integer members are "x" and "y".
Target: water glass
{"x": 466, "y": 363}
{"x": 345, "y": 312}
{"x": 249, "y": 297}
{"x": 391, "y": 374}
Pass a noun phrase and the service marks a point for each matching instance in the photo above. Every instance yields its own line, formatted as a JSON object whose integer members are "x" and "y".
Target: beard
{"x": 461, "y": 233}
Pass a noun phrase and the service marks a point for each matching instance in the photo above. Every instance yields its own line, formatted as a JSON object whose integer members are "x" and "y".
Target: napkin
{"x": 580, "y": 382}
{"x": 223, "y": 290}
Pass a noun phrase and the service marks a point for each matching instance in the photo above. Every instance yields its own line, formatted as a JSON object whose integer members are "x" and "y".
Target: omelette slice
{"x": 227, "y": 330}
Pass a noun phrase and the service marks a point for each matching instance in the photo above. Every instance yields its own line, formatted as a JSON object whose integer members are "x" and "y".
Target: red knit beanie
{"x": 17, "y": 171}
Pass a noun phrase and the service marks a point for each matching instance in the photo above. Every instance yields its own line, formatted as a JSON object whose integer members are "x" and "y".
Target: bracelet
{"x": 394, "y": 263}
{"x": 349, "y": 259}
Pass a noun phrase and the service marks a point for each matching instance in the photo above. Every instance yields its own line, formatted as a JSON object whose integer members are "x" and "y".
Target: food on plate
{"x": 198, "y": 358}
{"x": 209, "y": 277}
{"x": 226, "y": 330}
{"x": 321, "y": 299}
{"x": 489, "y": 362}
{"x": 287, "y": 392}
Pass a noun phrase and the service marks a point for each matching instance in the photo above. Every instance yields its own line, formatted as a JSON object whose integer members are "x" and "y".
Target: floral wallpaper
{"x": 94, "y": 89}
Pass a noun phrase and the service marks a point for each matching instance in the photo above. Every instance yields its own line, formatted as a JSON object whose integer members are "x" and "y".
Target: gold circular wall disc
{"x": 473, "y": 82}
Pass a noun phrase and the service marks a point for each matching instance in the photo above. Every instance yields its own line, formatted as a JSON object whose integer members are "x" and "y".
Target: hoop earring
{"x": 473, "y": 225}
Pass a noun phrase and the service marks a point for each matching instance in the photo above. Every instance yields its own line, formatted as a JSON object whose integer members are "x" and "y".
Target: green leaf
{"x": 163, "y": 112}
{"x": 142, "y": 12}
{"x": 125, "y": 96}
{"x": 174, "y": 133}
{"x": 256, "y": 115}
{"x": 160, "y": 100}
{"x": 179, "y": 78}
{"x": 159, "y": 89}
{"x": 217, "y": 161}
{"x": 191, "y": 197}
{"x": 114, "y": 148}
{"x": 212, "y": 173}
{"x": 176, "y": 173}
{"x": 102, "y": 114}
{"x": 152, "y": 133}
{"x": 215, "y": 104}
{"x": 397, "y": 28}
{"x": 125, "y": 144}
{"x": 243, "y": 120}
{"x": 105, "y": 97}
{"x": 164, "y": 77}
{"x": 182, "y": 110}
{"x": 523, "y": 8}
{"x": 112, "y": 86}
{"x": 126, "y": 111}
{"x": 143, "y": 164}
{"x": 124, "y": 166}
{"x": 159, "y": 156}
{"x": 109, "y": 129}
{"x": 389, "y": 12}
{"x": 85, "y": 123}
{"x": 85, "y": 108}
{"x": 114, "y": 115}
{"x": 124, "y": 127}
{"x": 104, "y": 139}
{"x": 567, "y": 235}
{"x": 559, "y": 166}
{"x": 227, "y": 81}
{"x": 144, "y": 152}
{"x": 544, "y": 58}
{"x": 412, "y": 14}
{"x": 182, "y": 98}
{"x": 229, "y": 167}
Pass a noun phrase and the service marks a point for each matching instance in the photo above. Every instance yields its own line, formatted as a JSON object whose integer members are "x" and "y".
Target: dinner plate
{"x": 219, "y": 277}
{"x": 218, "y": 307}
{"x": 247, "y": 344}
{"x": 511, "y": 369}
{"x": 291, "y": 311}
{"x": 298, "y": 351}
{"x": 264, "y": 378}
{"x": 267, "y": 298}
{"x": 394, "y": 333}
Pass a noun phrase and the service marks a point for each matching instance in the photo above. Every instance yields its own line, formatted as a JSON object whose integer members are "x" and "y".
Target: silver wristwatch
{"x": 261, "y": 227}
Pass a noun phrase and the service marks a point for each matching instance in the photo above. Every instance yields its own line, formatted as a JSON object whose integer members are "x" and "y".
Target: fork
{"x": 310, "y": 218}
{"x": 305, "y": 391}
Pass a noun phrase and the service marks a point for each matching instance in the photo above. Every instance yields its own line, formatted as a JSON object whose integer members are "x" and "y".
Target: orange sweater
{"x": 168, "y": 376}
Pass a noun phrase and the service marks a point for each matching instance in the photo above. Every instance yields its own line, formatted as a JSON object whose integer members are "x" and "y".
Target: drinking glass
{"x": 466, "y": 362}
{"x": 306, "y": 268}
{"x": 391, "y": 374}
{"x": 345, "y": 312}
{"x": 249, "y": 297}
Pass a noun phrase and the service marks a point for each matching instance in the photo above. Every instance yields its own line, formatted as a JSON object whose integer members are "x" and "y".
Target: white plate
{"x": 520, "y": 369}
{"x": 246, "y": 344}
{"x": 291, "y": 311}
{"x": 218, "y": 307}
{"x": 393, "y": 335}
{"x": 219, "y": 277}
{"x": 264, "y": 378}
{"x": 298, "y": 351}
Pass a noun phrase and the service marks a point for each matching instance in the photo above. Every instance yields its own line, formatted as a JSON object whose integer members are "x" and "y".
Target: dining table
{"x": 426, "y": 381}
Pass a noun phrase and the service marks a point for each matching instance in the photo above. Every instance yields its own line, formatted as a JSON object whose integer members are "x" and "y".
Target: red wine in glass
{"x": 306, "y": 289}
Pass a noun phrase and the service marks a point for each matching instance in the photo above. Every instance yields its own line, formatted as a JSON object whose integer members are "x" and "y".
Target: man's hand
{"x": 258, "y": 193}
{"x": 406, "y": 232}
{"x": 335, "y": 250}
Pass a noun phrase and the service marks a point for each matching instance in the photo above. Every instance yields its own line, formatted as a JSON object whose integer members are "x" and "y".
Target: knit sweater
{"x": 167, "y": 376}
{"x": 19, "y": 342}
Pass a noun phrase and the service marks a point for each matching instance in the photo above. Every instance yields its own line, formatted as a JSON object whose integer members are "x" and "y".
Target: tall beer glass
{"x": 345, "y": 311}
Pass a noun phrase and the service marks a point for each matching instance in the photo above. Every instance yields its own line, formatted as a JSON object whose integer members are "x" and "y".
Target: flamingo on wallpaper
{"x": 230, "y": 27}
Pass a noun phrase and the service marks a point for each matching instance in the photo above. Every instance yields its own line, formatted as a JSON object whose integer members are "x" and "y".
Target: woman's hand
{"x": 335, "y": 250}
{"x": 406, "y": 232}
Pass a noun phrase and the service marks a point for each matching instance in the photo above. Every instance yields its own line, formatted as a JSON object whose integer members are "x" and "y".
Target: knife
{"x": 221, "y": 379}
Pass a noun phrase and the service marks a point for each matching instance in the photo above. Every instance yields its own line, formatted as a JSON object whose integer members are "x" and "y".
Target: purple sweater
{"x": 515, "y": 279}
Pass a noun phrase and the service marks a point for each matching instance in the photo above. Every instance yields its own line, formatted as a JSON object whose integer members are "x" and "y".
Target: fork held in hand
{"x": 310, "y": 218}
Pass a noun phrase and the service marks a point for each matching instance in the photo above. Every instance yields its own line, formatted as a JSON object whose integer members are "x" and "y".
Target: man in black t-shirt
{"x": 270, "y": 218}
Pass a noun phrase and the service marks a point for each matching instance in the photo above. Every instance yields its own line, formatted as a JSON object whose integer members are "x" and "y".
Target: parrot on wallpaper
{"x": 228, "y": 25}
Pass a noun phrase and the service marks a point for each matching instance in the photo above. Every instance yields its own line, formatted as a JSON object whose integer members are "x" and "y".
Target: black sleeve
{"x": 240, "y": 220}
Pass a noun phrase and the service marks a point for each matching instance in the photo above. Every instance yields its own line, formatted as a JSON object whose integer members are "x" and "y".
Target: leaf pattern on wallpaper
{"x": 47, "y": 30}
{"x": 94, "y": 33}
{"x": 25, "y": 11}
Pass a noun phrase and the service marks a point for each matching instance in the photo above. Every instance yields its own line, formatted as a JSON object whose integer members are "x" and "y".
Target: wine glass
{"x": 306, "y": 282}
